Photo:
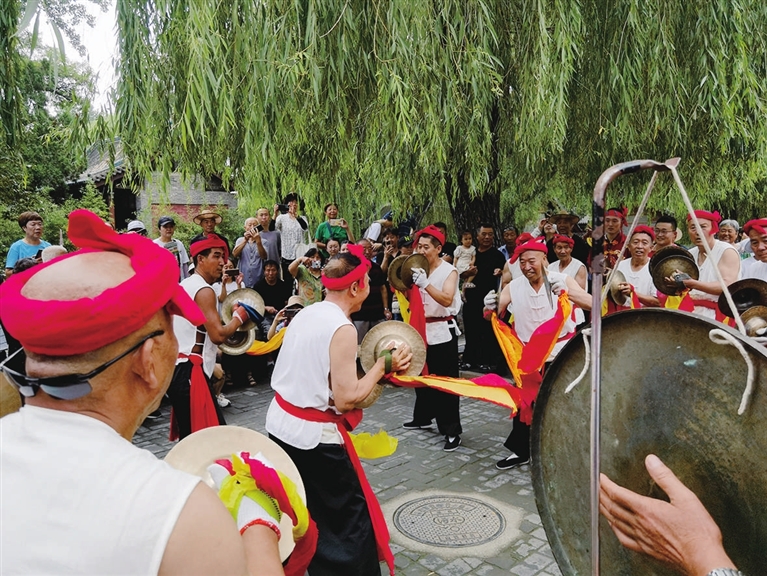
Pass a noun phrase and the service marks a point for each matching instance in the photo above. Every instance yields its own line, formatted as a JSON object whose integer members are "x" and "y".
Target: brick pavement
{"x": 419, "y": 465}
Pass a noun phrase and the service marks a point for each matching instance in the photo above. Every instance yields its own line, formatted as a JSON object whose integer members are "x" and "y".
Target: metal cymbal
{"x": 666, "y": 251}
{"x": 197, "y": 451}
{"x": 238, "y": 343}
{"x": 666, "y": 267}
{"x": 381, "y": 335}
{"x": 745, "y": 294}
{"x": 10, "y": 399}
{"x": 242, "y": 295}
{"x": 395, "y": 268}
{"x": 615, "y": 293}
{"x": 666, "y": 389}
{"x": 755, "y": 321}
{"x": 413, "y": 261}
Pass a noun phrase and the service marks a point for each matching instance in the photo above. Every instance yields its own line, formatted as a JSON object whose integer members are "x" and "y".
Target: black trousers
{"x": 178, "y": 394}
{"x": 442, "y": 360}
{"x": 481, "y": 344}
{"x": 334, "y": 497}
{"x": 518, "y": 440}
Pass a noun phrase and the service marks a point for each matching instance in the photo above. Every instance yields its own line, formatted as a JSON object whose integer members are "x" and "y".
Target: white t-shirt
{"x": 302, "y": 376}
{"x": 640, "y": 279}
{"x": 186, "y": 332}
{"x": 753, "y": 268}
{"x": 176, "y": 247}
{"x": 77, "y": 498}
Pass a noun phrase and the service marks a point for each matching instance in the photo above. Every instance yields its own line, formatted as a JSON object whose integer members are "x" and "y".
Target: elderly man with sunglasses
{"x": 77, "y": 496}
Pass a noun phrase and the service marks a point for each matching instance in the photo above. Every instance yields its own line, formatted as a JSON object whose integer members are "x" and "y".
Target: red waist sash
{"x": 345, "y": 423}
{"x": 431, "y": 320}
{"x": 711, "y": 305}
{"x": 201, "y": 410}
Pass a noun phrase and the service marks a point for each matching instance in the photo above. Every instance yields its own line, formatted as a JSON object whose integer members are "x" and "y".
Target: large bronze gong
{"x": 668, "y": 390}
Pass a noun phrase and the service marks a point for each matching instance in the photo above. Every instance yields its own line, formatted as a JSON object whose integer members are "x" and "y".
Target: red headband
{"x": 621, "y": 213}
{"x": 524, "y": 237}
{"x": 350, "y": 278}
{"x": 70, "y": 327}
{"x": 642, "y": 229}
{"x": 713, "y": 217}
{"x": 212, "y": 241}
{"x": 564, "y": 239}
{"x": 531, "y": 245}
{"x": 431, "y": 230}
{"x": 760, "y": 225}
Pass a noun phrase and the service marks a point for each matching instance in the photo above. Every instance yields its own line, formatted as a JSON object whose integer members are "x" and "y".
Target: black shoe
{"x": 465, "y": 366}
{"x": 154, "y": 415}
{"x": 451, "y": 445}
{"x": 416, "y": 426}
{"x": 511, "y": 462}
{"x": 486, "y": 369}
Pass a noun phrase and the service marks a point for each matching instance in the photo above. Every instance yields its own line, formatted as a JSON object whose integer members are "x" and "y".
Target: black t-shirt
{"x": 484, "y": 281}
{"x": 581, "y": 250}
{"x": 448, "y": 248}
{"x": 276, "y": 295}
{"x": 372, "y": 307}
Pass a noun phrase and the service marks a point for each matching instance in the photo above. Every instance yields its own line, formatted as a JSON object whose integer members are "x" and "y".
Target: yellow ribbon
{"x": 260, "y": 348}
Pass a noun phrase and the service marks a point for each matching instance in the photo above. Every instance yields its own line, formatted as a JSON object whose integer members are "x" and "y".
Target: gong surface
{"x": 666, "y": 389}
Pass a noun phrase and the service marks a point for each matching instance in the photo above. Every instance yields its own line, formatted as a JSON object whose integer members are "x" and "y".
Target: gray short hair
{"x": 731, "y": 223}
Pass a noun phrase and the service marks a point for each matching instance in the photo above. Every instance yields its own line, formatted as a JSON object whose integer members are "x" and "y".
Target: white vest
{"x": 186, "y": 331}
{"x": 753, "y": 268}
{"x": 531, "y": 309}
{"x": 640, "y": 279}
{"x": 708, "y": 274}
{"x": 439, "y": 332}
{"x": 77, "y": 498}
{"x": 571, "y": 270}
{"x": 302, "y": 376}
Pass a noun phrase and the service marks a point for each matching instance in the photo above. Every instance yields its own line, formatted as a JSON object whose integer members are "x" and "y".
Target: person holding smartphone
{"x": 333, "y": 228}
{"x": 31, "y": 246}
{"x": 251, "y": 252}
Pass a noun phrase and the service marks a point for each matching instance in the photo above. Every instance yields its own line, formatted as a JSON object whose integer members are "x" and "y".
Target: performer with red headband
{"x": 316, "y": 386}
{"x": 534, "y": 297}
{"x": 636, "y": 269}
{"x": 615, "y": 221}
{"x": 77, "y": 496}
{"x": 511, "y": 269}
{"x": 441, "y": 302}
{"x": 756, "y": 267}
{"x": 706, "y": 289}
{"x": 190, "y": 392}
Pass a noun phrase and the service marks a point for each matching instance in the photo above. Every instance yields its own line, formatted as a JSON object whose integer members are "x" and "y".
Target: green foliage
{"x": 400, "y": 101}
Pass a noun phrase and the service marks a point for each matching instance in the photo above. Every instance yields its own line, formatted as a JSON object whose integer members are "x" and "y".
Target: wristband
{"x": 386, "y": 355}
{"x": 262, "y": 522}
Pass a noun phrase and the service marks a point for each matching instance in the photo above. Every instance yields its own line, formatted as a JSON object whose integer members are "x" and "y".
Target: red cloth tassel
{"x": 202, "y": 411}
{"x": 418, "y": 317}
{"x": 303, "y": 552}
{"x": 345, "y": 423}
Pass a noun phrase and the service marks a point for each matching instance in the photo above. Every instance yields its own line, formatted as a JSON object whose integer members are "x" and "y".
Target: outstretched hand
{"x": 680, "y": 533}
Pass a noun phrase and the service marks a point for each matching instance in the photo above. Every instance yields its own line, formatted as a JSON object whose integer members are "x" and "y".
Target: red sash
{"x": 201, "y": 409}
{"x": 711, "y": 305}
{"x": 345, "y": 423}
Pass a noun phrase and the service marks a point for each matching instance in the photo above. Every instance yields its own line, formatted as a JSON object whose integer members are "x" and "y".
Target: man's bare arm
{"x": 206, "y": 300}
{"x": 444, "y": 297}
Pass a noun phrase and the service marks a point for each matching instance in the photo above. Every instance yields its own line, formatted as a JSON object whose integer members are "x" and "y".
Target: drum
{"x": 667, "y": 389}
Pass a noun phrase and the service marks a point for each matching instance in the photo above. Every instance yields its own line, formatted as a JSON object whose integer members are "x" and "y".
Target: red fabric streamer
{"x": 358, "y": 273}
{"x": 760, "y": 225}
{"x": 564, "y": 239}
{"x": 431, "y": 230}
{"x": 213, "y": 241}
{"x": 345, "y": 423}
{"x": 713, "y": 217}
{"x": 269, "y": 481}
{"x": 643, "y": 229}
{"x": 530, "y": 245}
{"x": 201, "y": 409}
{"x": 418, "y": 316}
{"x": 71, "y": 327}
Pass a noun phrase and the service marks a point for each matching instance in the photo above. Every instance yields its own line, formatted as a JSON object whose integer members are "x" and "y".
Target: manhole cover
{"x": 449, "y": 521}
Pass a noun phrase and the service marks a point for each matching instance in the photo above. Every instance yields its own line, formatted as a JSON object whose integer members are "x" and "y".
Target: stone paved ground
{"x": 419, "y": 464}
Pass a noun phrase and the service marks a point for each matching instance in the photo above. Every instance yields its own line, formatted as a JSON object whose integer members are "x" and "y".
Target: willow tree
{"x": 478, "y": 103}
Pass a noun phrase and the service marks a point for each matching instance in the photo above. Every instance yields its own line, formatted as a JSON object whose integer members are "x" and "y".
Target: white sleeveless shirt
{"x": 439, "y": 332}
{"x": 302, "y": 376}
{"x": 708, "y": 274}
{"x": 186, "y": 331}
{"x": 531, "y": 309}
{"x": 77, "y": 498}
{"x": 571, "y": 270}
{"x": 640, "y": 279}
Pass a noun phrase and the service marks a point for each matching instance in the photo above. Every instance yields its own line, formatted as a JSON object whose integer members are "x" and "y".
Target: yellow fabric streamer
{"x": 511, "y": 346}
{"x": 374, "y": 446}
{"x": 404, "y": 306}
{"x": 260, "y": 348}
{"x": 464, "y": 387}
{"x": 299, "y": 507}
{"x": 235, "y": 487}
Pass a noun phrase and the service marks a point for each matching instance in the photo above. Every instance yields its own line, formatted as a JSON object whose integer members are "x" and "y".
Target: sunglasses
{"x": 68, "y": 386}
